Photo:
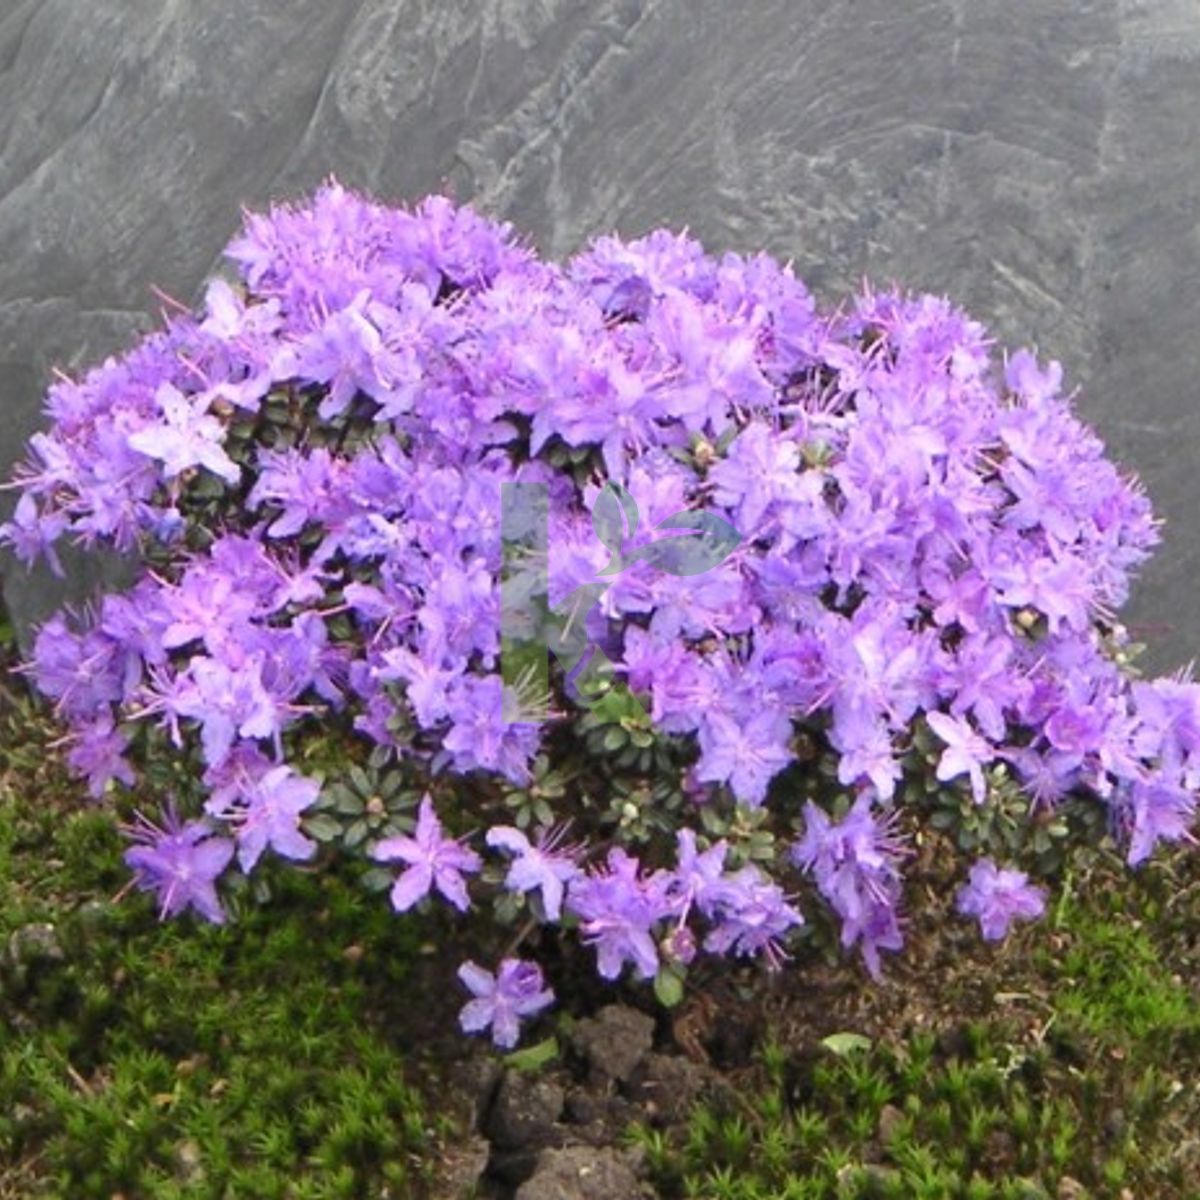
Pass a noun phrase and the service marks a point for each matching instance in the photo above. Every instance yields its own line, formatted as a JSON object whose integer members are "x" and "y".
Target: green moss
{"x": 185, "y": 1060}
{"x": 1093, "y": 1080}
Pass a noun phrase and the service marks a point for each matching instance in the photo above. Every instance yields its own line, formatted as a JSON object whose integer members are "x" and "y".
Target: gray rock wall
{"x": 1036, "y": 160}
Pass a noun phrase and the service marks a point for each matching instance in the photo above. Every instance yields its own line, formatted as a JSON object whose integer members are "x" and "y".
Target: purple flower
{"x": 428, "y": 684}
{"x": 699, "y": 877}
{"x": 544, "y": 866}
{"x": 747, "y": 755}
{"x": 32, "y": 532}
{"x": 1157, "y": 812}
{"x": 434, "y": 861}
{"x": 754, "y": 917}
{"x": 760, "y": 469}
{"x": 180, "y": 862}
{"x": 999, "y": 896}
{"x": 185, "y": 437}
{"x": 517, "y": 990}
{"x": 231, "y": 319}
{"x": 346, "y": 353}
{"x": 304, "y": 487}
{"x": 618, "y": 908}
{"x": 83, "y": 672}
{"x": 965, "y": 754}
{"x": 264, "y": 809}
{"x": 228, "y": 702}
{"x": 98, "y": 753}
{"x": 481, "y": 737}
{"x": 1033, "y": 385}
{"x": 856, "y": 866}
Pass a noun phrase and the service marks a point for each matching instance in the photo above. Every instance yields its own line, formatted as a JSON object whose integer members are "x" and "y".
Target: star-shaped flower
{"x": 544, "y": 866}
{"x": 516, "y": 990}
{"x": 186, "y": 436}
{"x": 434, "y": 861}
{"x": 998, "y": 896}
{"x": 181, "y": 863}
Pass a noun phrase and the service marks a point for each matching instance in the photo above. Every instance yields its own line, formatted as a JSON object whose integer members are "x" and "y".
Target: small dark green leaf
{"x": 380, "y": 757}
{"x": 726, "y": 438}
{"x": 532, "y": 1058}
{"x": 377, "y": 879}
{"x": 323, "y": 827}
{"x": 614, "y": 738}
{"x": 346, "y": 802}
{"x": 356, "y": 834}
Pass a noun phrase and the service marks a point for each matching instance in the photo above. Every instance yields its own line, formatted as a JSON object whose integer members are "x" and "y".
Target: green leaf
{"x": 345, "y": 801}
{"x": 846, "y": 1044}
{"x": 378, "y": 879}
{"x": 356, "y": 834}
{"x": 610, "y": 708}
{"x": 532, "y": 1058}
{"x": 323, "y": 827}
{"x": 668, "y": 987}
{"x": 380, "y": 756}
{"x": 614, "y": 738}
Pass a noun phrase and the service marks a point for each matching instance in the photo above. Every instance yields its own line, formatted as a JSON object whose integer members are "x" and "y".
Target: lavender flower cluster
{"x": 933, "y": 550}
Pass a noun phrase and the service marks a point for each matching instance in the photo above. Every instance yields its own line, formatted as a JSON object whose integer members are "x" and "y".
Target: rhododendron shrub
{"x": 912, "y": 627}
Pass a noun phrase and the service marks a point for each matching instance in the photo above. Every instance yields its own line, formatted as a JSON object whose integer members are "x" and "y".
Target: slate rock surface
{"x": 614, "y": 1042}
{"x": 525, "y": 1111}
{"x": 582, "y": 1173}
{"x": 1037, "y": 161}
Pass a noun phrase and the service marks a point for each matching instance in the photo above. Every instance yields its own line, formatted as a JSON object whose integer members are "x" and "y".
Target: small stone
{"x": 614, "y": 1042}
{"x": 581, "y": 1173}
{"x": 34, "y": 943}
{"x": 30, "y": 951}
{"x": 1071, "y": 1189}
{"x": 475, "y": 1080}
{"x": 525, "y": 1111}
{"x": 191, "y": 1169}
{"x": 598, "y": 1134}
{"x": 669, "y": 1085}
{"x": 1116, "y": 1124}
{"x": 582, "y": 1107}
{"x": 890, "y": 1119}
{"x": 461, "y": 1167}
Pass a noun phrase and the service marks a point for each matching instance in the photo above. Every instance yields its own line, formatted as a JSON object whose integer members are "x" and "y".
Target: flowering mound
{"x": 812, "y": 581}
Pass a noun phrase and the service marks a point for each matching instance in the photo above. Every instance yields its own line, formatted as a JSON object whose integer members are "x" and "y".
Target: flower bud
{"x": 680, "y": 945}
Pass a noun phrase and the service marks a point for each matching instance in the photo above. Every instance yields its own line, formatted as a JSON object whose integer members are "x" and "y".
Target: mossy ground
{"x": 186, "y": 1060}
{"x": 278, "y": 1056}
{"x": 1063, "y": 1064}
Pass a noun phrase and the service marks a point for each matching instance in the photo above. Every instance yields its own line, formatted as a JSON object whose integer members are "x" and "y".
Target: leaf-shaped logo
{"x": 710, "y": 540}
{"x": 614, "y": 518}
